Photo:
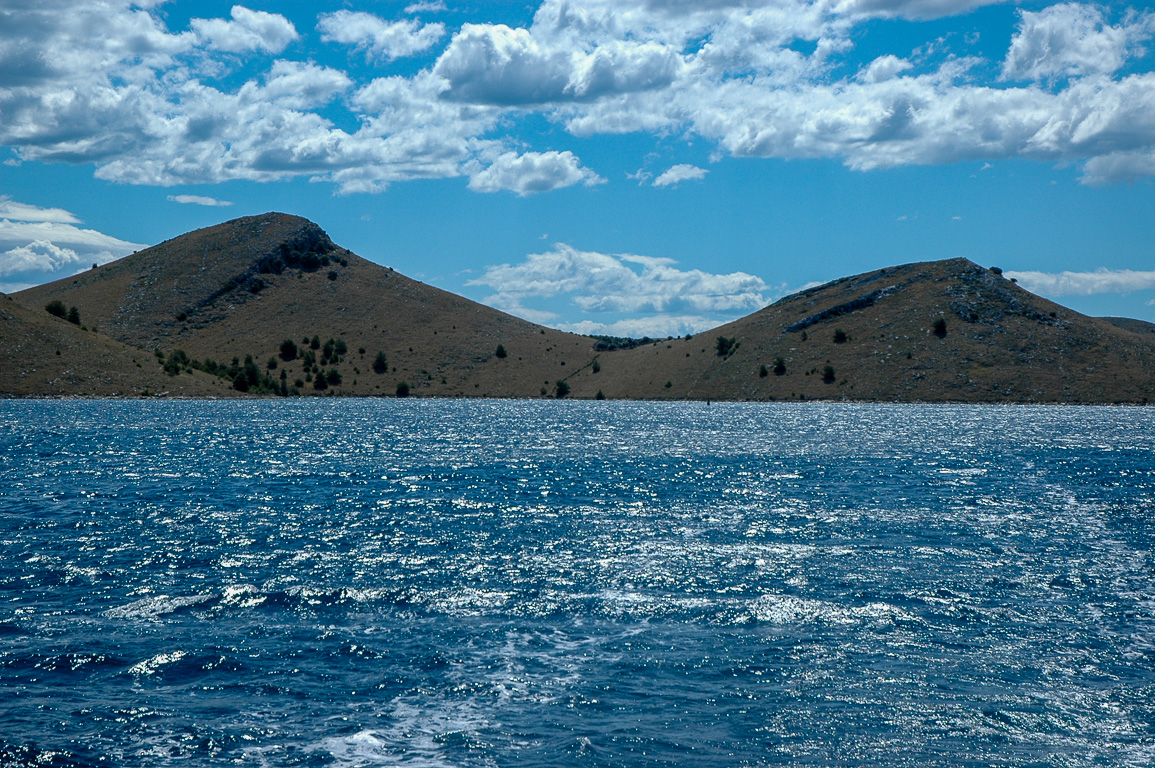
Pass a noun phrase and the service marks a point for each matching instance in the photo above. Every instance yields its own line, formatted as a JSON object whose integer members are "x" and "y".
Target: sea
{"x": 441, "y": 583}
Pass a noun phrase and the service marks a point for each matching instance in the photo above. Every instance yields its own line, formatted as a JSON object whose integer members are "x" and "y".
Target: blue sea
{"x": 527, "y": 583}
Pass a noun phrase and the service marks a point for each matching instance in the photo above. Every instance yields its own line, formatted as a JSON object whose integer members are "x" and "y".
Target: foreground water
{"x": 468, "y": 583}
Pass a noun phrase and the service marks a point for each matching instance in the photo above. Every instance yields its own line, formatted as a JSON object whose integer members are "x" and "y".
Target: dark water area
{"x": 480, "y": 583}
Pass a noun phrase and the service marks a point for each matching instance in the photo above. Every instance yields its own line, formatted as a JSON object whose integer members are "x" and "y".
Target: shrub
{"x": 333, "y": 377}
{"x": 380, "y": 365}
{"x": 940, "y": 327}
{"x": 341, "y": 348}
{"x": 779, "y": 366}
{"x": 725, "y": 346}
{"x": 828, "y": 374}
{"x": 596, "y": 366}
{"x": 74, "y": 315}
{"x": 402, "y": 389}
{"x": 599, "y": 396}
{"x": 996, "y": 270}
{"x": 669, "y": 384}
{"x": 561, "y": 390}
{"x": 500, "y": 351}
{"x": 319, "y": 382}
{"x": 839, "y": 336}
{"x": 288, "y": 350}
{"x": 56, "y": 308}
{"x": 272, "y": 364}
{"x": 315, "y": 343}
{"x": 763, "y": 372}
{"x": 332, "y": 274}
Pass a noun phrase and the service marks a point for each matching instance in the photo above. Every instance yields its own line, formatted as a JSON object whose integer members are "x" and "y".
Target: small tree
{"x": 380, "y": 365}
{"x": 940, "y": 327}
{"x": 599, "y": 396}
{"x": 315, "y": 343}
{"x": 272, "y": 364}
{"x": 839, "y": 336}
{"x": 779, "y": 366}
{"x": 402, "y": 389}
{"x": 596, "y": 366}
{"x": 763, "y": 372}
{"x": 288, "y": 350}
{"x": 828, "y": 374}
{"x": 56, "y": 308}
{"x": 74, "y": 315}
{"x": 500, "y": 351}
{"x": 725, "y": 346}
{"x": 561, "y": 389}
{"x": 333, "y": 377}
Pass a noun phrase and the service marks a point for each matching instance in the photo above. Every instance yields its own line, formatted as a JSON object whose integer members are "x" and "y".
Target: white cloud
{"x": 426, "y": 7}
{"x": 679, "y": 173}
{"x": 10, "y": 209}
{"x": 198, "y": 200}
{"x": 533, "y": 172}
{"x": 1084, "y": 283}
{"x": 1070, "y": 40}
{"x": 622, "y": 283}
{"x": 107, "y": 83}
{"x": 248, "y": 31}
{"x": 496, "y": 64}
{"x": 42, "y": 244}
{"x": 653, "y": 326}
{"x": 380, "y": 39}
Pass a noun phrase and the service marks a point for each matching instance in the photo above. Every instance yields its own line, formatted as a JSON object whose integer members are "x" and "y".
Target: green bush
{"x": 725, "y": 346}
{"x": 596, "y": 366}
{"x": 288, "y": 350}
{"x": 940, "y": 327}
{"x": 763, "y": 372}
{"x": 561, "y": 390}
{"x": 380, "y": 365}
{"x": 315, "y": 343}
{"x": 56, "y": 308}
{"x": 341, "y": 348}
{"x": 500, "y": 351}
{"x": 828, "y": 374}
{"x": 779, "y": 366}
{"x": 839, "y": 336}
{"x": 599, "y": 396}
{"x": 402, "y": 389}
{"x": 74, "y": 315}
{"x": 272, "y": 364}
{"x": 333, "y": 377}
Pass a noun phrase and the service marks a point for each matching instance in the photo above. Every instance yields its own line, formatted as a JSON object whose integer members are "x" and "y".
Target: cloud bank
{"x": 109, "y": 84}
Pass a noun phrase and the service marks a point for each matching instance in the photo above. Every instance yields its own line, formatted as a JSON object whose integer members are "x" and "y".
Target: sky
{"x": 621, "y": 167}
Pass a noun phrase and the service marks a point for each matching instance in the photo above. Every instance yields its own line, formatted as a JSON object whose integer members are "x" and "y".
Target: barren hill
{"x": 995, "y": 342}
{"x": 42, "y": 355}
{"x": 243, "y": 287}
{"x": 274, "y": 291}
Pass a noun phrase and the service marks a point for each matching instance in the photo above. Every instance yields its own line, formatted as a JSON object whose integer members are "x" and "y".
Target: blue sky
{"x": 632, "y": 167}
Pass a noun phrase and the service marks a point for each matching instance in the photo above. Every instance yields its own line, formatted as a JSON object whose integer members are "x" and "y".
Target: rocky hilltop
{"x": 270, "y": 305}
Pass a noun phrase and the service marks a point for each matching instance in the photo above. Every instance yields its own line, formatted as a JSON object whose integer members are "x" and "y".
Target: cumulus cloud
{"x": 426, "y": 7}
{"x": 1085, "y": 283}
{"x": 378, "y": 38}
{"x": 198, "y": 200}
{"x": 533, "y": 172}
{"x": 597, "y": 282}
{"x": 1070, "y": 40}
{"x": 42, "y": 244}
{"x": 248, "y": 31}
{"x": 679, "y": 173}
{"x": 496, "y": 64}
{"x": 109, "y": 84}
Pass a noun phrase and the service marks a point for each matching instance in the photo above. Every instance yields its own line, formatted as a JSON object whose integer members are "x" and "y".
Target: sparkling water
{"x": 530, "y": 583}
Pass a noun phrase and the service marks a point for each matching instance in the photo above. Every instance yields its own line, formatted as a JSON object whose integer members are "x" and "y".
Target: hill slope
{"x": 44, "y": 355}
{"x": 243, "y": 287}
{"x": 1001, "y": 344}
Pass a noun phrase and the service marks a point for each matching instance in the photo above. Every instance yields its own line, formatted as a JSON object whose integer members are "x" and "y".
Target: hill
{"x": 877, "y": 333}
{"x": 44, "y": 355}
{"x": 240, "y": 289}
{"x": 271, "y": 303}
